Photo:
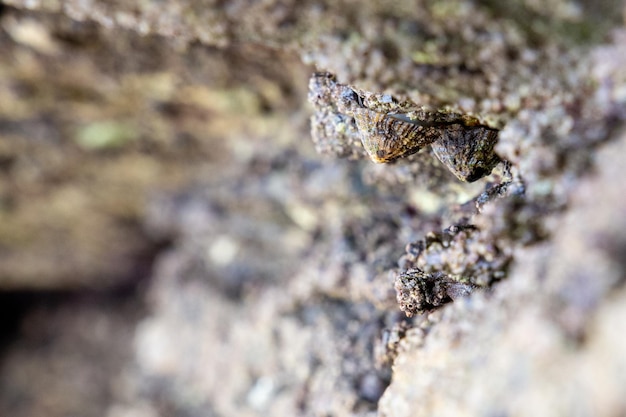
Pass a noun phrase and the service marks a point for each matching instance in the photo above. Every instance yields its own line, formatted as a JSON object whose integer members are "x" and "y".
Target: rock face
{"x": 171, "y": 243}
{"x": 544, "y": 342}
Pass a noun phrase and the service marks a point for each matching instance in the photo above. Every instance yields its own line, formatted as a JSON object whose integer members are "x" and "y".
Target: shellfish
{"x": 388, "y": 130}
{"x": 387, "y": 137}
{"x": 468, "y": 152}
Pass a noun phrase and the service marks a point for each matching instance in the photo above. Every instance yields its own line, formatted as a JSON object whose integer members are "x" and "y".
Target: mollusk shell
{"x": 467, "y": 151}
{"x": 387, "y": 138}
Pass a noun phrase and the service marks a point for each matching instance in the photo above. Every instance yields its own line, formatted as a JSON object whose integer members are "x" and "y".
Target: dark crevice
{"x": 17, "y": 304}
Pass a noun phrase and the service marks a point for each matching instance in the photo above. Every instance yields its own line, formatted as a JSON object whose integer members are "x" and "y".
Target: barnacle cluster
{"x": 357, "y": 124}
{"x": 418, "y": 291}
{"x": 346, "y": 122}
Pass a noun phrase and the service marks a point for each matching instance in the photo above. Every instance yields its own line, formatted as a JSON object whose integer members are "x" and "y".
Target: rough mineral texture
{"x": 187, "y": 230}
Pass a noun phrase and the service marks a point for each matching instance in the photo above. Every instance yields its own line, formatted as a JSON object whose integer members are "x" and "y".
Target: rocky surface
{"x": 172, "y": 244}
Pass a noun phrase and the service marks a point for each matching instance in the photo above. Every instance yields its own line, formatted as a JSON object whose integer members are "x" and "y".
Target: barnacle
{"x": 388, "y": 130}
{"x": 417, "y": 291}
{"x": 468, "y": 152}
{"x": 387, "y": 138}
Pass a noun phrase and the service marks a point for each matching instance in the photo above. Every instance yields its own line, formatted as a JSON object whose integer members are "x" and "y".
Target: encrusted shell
{"x": 391, "y": 130}
{"x": 468, "y": 152}
{"x": 387, "y": 138}
{"x": 417, "y": 291}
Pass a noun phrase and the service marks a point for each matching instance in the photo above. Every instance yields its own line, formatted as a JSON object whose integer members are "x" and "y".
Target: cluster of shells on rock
{"x": 351, "y": 123}
{"x": 391, "y": 131}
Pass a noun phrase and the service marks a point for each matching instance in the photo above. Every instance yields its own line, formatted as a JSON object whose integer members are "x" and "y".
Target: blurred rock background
{"x": 171, "y": 244}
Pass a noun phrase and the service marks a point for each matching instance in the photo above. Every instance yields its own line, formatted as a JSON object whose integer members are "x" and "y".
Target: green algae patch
{"x": 106, "y": 135}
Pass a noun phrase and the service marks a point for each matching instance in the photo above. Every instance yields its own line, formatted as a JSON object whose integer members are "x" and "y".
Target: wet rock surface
{"x": 171, "y": 243}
